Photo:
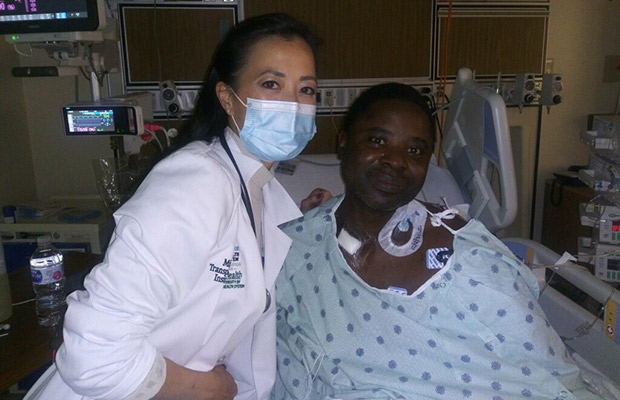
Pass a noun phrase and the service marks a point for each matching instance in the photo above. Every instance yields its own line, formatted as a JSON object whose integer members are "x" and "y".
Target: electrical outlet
{"x": 328, "y": 96}
{"x": 548, "y": 65}
{"x": 351, "y": 96}
{"x": 340, "y": 100}
{"x": 336, "y": 100}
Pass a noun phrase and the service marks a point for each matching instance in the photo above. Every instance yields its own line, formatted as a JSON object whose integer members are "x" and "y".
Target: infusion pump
{"x": 603, "y": 249}
{"x": 605, "y": 220}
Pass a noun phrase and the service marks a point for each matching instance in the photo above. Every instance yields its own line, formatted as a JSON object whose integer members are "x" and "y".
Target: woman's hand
{"x": 184, "y": 383}
{"x": 315, "y": 198}
{"x": 221, "y": 384}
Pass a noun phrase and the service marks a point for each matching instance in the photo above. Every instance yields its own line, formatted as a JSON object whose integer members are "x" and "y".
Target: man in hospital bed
{"x": 382, "y": 296}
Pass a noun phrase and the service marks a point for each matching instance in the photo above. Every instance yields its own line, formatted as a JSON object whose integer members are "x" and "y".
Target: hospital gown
{"x": 473, "y": 331}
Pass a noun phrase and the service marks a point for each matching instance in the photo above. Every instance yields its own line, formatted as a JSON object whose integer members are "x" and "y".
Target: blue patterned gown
{"x": 474, "y": 330}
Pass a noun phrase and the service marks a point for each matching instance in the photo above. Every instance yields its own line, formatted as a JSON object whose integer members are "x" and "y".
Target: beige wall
{"x": 62, "y": 164}
{"x": 581, "y": 34}
{"x": 17, "y": 182}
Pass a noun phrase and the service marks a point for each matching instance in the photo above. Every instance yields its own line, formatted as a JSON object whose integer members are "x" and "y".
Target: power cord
{"x": 329, "y": 100}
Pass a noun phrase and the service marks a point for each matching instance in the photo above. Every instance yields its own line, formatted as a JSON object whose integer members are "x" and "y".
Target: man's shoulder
{"x": 314, "y": 222}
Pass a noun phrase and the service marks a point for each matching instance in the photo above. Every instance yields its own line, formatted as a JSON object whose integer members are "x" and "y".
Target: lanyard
{"x": 244, "y": 190}
{"x": 248, "y": 206}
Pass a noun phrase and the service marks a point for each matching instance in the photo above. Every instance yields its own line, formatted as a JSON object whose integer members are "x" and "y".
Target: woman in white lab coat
{"x": 181, "y": 305}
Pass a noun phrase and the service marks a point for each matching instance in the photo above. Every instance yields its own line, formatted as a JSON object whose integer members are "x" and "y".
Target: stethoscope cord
{"x": 244, "y": 190}
{"x": 248, "y": 206}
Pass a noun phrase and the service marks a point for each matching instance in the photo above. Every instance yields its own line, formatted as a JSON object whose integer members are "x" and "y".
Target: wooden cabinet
{"x": 561, "y": 222}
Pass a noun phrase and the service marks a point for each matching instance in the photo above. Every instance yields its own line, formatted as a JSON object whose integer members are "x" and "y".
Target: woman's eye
{"x": 308, "y": 90}
{"x": 270, "y": 85}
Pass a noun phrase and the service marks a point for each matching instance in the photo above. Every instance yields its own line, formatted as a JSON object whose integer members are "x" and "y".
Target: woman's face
{"x": 385, "y": 156}
{"x": 277, "y": 69}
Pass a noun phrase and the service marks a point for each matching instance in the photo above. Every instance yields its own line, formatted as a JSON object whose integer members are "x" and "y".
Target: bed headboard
{"x": 477, "y": 150}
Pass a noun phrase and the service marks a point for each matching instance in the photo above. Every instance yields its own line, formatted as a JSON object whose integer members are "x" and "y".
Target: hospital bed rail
{"x": 582, "y": 331}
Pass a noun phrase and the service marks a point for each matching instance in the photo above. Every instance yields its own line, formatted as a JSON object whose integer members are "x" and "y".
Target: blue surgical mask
{"x": 276, "y": 130}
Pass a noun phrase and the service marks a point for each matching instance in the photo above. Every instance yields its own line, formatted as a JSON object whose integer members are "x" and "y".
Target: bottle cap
{"x": 46, "y": 239}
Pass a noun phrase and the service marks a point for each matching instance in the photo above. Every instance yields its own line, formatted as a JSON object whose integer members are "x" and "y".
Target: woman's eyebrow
{"x": 273, "y": 72}
{"x": 283, "y": 75}
{"x": 308, "y": 78}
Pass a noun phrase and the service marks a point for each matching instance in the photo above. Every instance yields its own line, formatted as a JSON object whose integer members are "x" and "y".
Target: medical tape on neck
{"x": 350, "y": 244}
{"x": 413, "y": 216}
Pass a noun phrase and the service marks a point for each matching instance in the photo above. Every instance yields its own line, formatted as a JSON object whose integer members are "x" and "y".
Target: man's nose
{"x": 394, "y": 157}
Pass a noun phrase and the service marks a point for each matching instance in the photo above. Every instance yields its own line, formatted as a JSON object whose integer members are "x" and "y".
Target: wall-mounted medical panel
{"x": 492, "y": 2}
{"x": 363, "y": 39}
{"x": 175, "y": 41}
{"x": 491, "y": 39}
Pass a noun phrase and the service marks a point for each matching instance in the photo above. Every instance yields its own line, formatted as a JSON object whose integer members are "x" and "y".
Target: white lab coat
{"x": 163, "y": 287}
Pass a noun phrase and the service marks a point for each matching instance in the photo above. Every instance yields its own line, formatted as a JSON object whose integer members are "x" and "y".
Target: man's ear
{"x": 225, "y": 97}
{"x": 342, "y": 142}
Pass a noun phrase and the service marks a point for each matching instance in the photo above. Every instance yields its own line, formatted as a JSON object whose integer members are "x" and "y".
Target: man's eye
{"x": 377, "y": 140}
{"x": 416, "y": 151}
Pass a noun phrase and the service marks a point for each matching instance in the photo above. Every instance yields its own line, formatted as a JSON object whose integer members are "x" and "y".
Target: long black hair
{"x": 210, "y": 119}
{"x": 387, "y": 91}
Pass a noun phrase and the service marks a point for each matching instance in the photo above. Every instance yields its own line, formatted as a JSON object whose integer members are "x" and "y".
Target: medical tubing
{"x": 581, "y": 331}
{"x": 154, "y": 137}
{"x": 460, "y": 97}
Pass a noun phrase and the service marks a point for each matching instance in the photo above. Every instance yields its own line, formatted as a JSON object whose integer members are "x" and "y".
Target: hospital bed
{"x": 480, "y": 172}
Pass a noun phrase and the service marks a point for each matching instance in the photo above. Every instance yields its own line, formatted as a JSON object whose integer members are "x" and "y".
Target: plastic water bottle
{"x": 6, "y": 308}
{"x": 48, "y": 281}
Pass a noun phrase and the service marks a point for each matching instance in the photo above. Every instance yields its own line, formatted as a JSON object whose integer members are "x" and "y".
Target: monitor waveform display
{"x": 91, "y": 120}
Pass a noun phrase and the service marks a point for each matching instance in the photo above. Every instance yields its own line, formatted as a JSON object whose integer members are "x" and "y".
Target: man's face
{"x": 385, "y": 156}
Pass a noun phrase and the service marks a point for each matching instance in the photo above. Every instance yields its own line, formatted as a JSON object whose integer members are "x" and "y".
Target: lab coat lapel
{"x": 247, "y": 165}
{"x": 279, "y": 208}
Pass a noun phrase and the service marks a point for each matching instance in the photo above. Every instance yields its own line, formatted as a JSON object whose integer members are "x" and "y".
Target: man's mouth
{"x": 388, "y": 183}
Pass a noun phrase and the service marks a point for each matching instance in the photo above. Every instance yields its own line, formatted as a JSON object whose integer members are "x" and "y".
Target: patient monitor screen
{"x": 90, "y": 120}
{"x": 29, "y": 16}
{"x": 32, "y": 10}
{"x": 99, "y": 120}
